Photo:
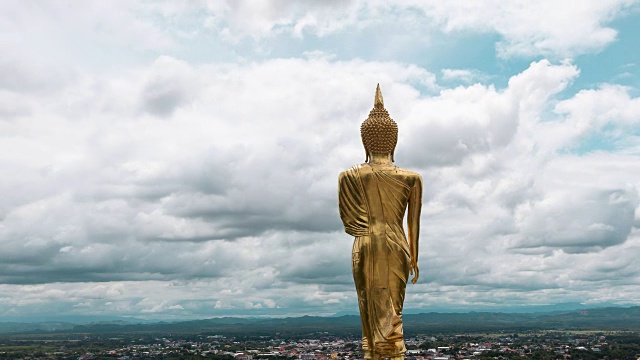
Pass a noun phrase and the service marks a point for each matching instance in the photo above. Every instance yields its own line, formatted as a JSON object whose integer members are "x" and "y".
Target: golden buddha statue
{"x": 373, "y": 199}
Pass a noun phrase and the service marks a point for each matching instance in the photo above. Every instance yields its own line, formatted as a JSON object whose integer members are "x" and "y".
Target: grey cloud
{"x": 13, "y": 106}
{"x": 258, "y": 196}
{"x": 310, "y": 257}
{"x": 482, "y": 270}
{"x": 20, "y": 74}
{"x": 22, "y": 80}
{"x": 162, "y": 98}
{"x": 451, "y": 133}
{"x": 579, "y": 222}
{"x": 108, "y": 263}
{"x": 169, "y": 85}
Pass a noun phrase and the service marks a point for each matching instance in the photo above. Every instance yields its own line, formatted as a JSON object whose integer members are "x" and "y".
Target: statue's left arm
{"x": 413, "y": 225}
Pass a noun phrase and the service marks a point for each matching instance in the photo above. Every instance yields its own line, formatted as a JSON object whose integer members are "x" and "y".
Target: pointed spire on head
{"x": 378, "y": 102}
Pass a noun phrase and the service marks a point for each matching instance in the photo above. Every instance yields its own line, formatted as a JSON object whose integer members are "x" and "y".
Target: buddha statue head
{"x": 379, "y": 132}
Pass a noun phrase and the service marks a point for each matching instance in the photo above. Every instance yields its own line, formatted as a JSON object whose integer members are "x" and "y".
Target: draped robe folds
{"x": 372, "y": 204}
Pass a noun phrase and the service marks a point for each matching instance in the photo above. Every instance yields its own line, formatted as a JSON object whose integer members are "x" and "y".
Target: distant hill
{"x": 553, "y": 308}
{"x": 614, "y": 318}
{"x": 26, "y": 327}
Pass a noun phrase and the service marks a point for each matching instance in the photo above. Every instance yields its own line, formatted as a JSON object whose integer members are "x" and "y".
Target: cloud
{"x": 504, "y": 218}
{"x": 233, "y": 188}
{"x": 258, "y": 19}
{"x": 48, "y": 34}
{"x": 546, "y": 28}
{"x": 168, "y": 86}
{"x": 578, "y": 222}
{"x": 218, "y": 154}
{"x": 145, "y": 183}
{"x": 476, "y": 119}
{"x": 463, "y": 75}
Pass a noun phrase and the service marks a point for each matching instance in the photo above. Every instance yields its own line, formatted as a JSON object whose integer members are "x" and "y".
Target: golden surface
{"x": 379, "y": 132}
{"x": 373, "y": 199}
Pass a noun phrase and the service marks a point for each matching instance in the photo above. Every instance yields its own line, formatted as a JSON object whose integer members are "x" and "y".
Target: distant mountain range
{"x": 611, "y": 318}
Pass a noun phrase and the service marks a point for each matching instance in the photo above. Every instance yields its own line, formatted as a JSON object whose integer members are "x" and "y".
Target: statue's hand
{"x": 413, "y": 270}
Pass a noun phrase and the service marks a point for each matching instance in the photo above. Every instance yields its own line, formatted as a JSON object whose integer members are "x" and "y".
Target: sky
{"x": 178, "y": 160}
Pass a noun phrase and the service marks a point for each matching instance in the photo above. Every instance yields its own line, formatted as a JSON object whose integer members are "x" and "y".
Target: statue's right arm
{"x": 413, "y": 225}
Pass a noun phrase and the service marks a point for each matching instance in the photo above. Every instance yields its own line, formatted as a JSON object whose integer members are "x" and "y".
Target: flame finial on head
{"x": 378, "y": 102}
{"x": 379, "y": 132}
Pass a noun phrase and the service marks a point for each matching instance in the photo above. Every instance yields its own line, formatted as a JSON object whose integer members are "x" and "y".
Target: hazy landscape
{"x": 603, "y": 319}
{"x": 601, "y": 333}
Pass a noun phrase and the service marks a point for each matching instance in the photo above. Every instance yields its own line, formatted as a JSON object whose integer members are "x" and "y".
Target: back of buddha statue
{"x": 390, "y": 188}
{"x": 373, "y": 199}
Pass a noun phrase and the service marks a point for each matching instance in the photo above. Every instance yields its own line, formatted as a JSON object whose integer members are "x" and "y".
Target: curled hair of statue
{"x": 379, "y": 132}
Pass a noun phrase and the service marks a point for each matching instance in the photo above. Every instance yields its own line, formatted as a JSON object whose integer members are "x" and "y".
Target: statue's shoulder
{"x": 350, "y": 172}
{"x": 352, "y": 169}
{"x": 407, "y": 172}
{"x": 411, "y": 176}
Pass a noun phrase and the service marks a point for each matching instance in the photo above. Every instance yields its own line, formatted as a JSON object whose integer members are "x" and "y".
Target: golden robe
{"x": 372, "y": 201}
